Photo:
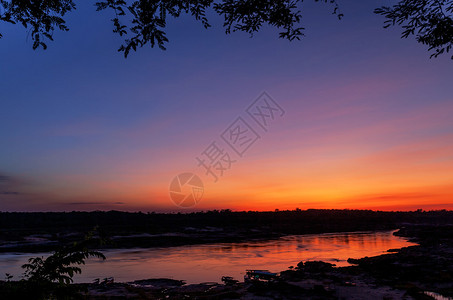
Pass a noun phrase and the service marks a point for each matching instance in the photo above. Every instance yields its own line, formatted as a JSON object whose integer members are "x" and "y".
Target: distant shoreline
{"x": 43, "y": 232}
{"x": 412, "y": 272}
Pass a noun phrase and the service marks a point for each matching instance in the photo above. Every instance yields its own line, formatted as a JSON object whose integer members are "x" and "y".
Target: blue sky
{"x": 84, "y": 128}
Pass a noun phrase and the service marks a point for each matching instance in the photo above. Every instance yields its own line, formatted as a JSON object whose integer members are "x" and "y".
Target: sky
{"x": 365, "y": 118}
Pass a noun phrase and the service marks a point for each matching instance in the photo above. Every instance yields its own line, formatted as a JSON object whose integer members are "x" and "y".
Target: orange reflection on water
{"x": 202, "y": 263}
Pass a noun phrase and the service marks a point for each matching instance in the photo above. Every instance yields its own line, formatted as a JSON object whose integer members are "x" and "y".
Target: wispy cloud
{"x": 9, "y": 193}
{"x": 4, "y": 178}
{"x": 94, "y": 203}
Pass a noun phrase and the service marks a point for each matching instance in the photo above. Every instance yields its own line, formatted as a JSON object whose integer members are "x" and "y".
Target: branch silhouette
{"x": 430, "y": 21}
{"x": 143, "y": 22}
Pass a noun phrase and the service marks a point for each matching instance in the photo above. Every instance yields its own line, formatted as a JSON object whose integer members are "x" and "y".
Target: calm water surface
{"x": 203, "y": 263}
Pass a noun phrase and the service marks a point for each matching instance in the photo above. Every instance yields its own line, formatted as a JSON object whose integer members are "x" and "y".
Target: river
{"x": 209, "y": 262}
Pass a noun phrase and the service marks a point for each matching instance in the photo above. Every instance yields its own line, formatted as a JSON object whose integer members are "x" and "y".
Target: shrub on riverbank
{"x": 51, "y": 277}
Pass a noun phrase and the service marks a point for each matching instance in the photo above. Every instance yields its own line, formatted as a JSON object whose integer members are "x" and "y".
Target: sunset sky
{"x": 368, "y": 119}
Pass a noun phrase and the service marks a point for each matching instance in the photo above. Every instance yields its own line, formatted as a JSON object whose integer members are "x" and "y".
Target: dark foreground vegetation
{"x": 37, "y": 232}
{"x": 414, "y": 272}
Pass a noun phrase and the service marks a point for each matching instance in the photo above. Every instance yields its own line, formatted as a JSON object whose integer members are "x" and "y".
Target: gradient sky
{"x": 368, "y": 120}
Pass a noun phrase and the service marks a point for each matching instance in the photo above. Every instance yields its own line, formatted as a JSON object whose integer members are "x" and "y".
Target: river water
{"x": 208, "y": 263}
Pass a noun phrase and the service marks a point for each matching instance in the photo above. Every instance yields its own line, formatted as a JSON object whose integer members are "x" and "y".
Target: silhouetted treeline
{"x": 158, "y": 229}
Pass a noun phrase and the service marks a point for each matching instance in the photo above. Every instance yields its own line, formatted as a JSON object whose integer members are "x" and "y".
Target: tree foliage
{"x": 51, "y": 277}
{"x": 430, "y": 21}
{"x": 149, "y": 18}
{"x": 143, "y": 22}
{"x": 62, "y": 265}
{"x": 40, "y": 17}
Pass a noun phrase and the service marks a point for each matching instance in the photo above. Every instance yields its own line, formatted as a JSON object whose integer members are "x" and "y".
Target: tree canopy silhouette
{"x": 143, "y": 22}
{"x": 430, "y": 21}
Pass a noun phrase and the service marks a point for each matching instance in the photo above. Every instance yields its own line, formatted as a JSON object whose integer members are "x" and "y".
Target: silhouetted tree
{"x": 429, "y": 20}
{"x": 59, "y": 267}
{"x": 41, "y": 17}
{"x": 50, "y": 278}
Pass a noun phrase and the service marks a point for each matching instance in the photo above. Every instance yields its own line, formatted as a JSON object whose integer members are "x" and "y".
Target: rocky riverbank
{"x": 424, "y": 271}
{"x": 410, "y": 273}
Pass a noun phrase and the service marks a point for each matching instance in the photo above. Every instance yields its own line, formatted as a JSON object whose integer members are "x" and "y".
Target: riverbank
{"x": 45, "y": 232}
{"x": 212, "y": 261}
{"x": 408, "y": 273}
